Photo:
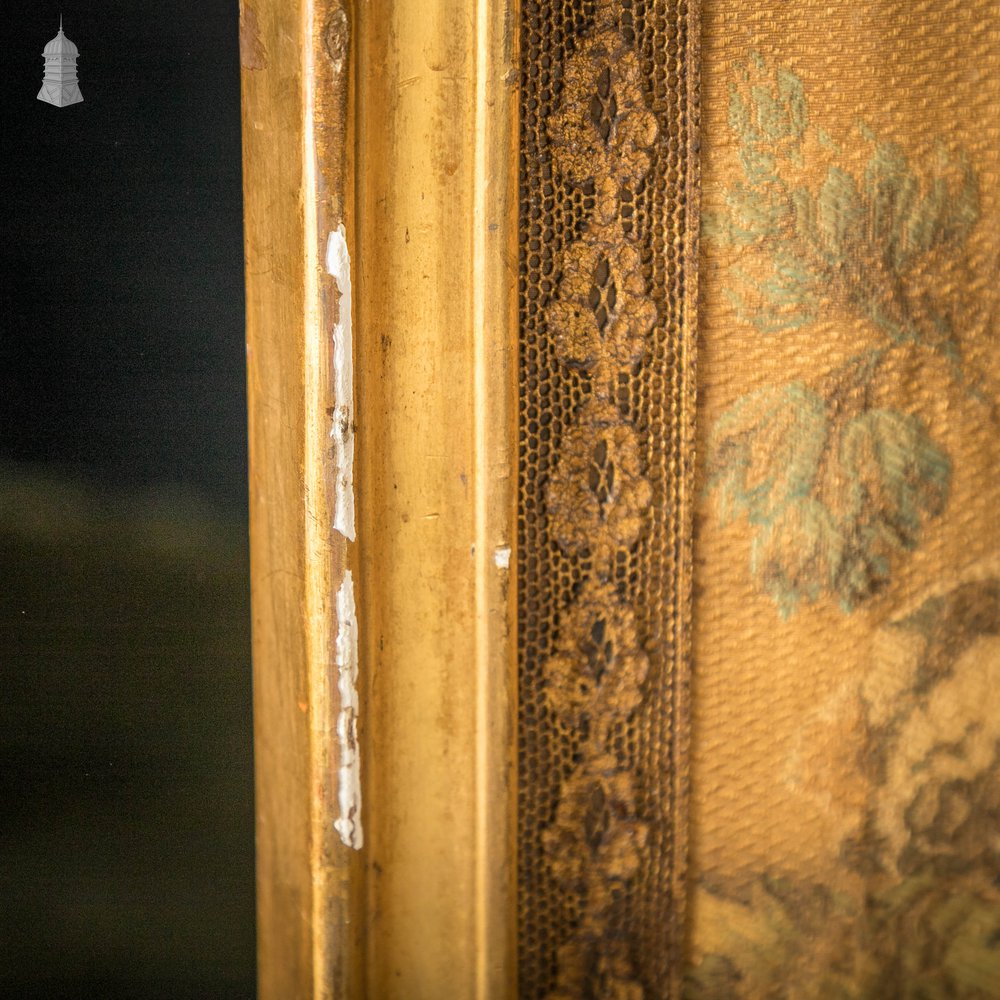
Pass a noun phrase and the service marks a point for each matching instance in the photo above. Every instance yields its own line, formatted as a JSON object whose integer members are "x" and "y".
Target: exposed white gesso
{"x": 338, "y": 265}
{"x": 348, "y": 824}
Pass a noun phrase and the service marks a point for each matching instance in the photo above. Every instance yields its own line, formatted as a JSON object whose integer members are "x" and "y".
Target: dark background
{"x": 126, "y": 813}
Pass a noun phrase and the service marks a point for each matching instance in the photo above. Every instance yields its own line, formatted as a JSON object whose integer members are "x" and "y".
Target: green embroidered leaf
{"x": 759, "y": 166}
{"x": 785, "y": 300}
{"x": 804, "y": 217}
{"x": 798, "y": 556}
{"x": 764, "y": 459}
{"x": 899, "y": 475}
{"x": 892, "y": 192}
{"x": 943, "y": 215}
{"x": 752, "y": 214}
{"x": 765, "y": 451}
{"x": 771, "y": 114}
{"x": 739, "y": 116}
{"x": 965, "y": 208}
{"x": 840, "y": 216}
{"x": 781, "y": 112}
{"x": 832, "y": 508}
{"x": 859, "y": 242}
{"x": 826, "y": 140}
{"x": 793, "y": 97}
{"x": 895, "y": 477}
{"x": 760, "y": 207}
{"x": 929, "y": 220}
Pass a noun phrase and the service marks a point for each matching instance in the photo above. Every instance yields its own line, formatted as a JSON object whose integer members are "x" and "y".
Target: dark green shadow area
{"x": 126, "y": 798}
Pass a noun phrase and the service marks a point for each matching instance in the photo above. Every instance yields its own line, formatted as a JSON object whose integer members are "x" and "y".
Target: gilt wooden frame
{"x": 448, "y": 251}
{"x": 417, "y": 174}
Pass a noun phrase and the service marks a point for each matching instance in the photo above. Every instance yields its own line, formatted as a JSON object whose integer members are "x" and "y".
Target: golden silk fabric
{"x": 845, "y": 787}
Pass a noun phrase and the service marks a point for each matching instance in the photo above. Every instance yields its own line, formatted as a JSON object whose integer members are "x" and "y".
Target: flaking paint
{"x": 348, "y": 824}
{"x": 338, "y": 265}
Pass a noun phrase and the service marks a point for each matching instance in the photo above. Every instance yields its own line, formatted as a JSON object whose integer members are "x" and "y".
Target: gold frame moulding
{"x": 470, "y": 504}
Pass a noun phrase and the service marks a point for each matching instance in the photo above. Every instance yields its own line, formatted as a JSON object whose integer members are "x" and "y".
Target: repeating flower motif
{"x": 602, "y": 314}
{"x": 604, "y": 126}
{"x": 598, "y": 495}
{"x": 597, "y": 503}
{"x": 599, "y": 667}
{"x": 595, "y": 829}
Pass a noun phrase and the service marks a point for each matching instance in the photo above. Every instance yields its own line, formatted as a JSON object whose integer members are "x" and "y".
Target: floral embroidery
{"x": 834, "y": 487}
{"x": 928, "y": 921}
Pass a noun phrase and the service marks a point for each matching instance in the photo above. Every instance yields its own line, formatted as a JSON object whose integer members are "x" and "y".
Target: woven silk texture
{"x": 845, "y": 789}
{"x": 804, "y": 529}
